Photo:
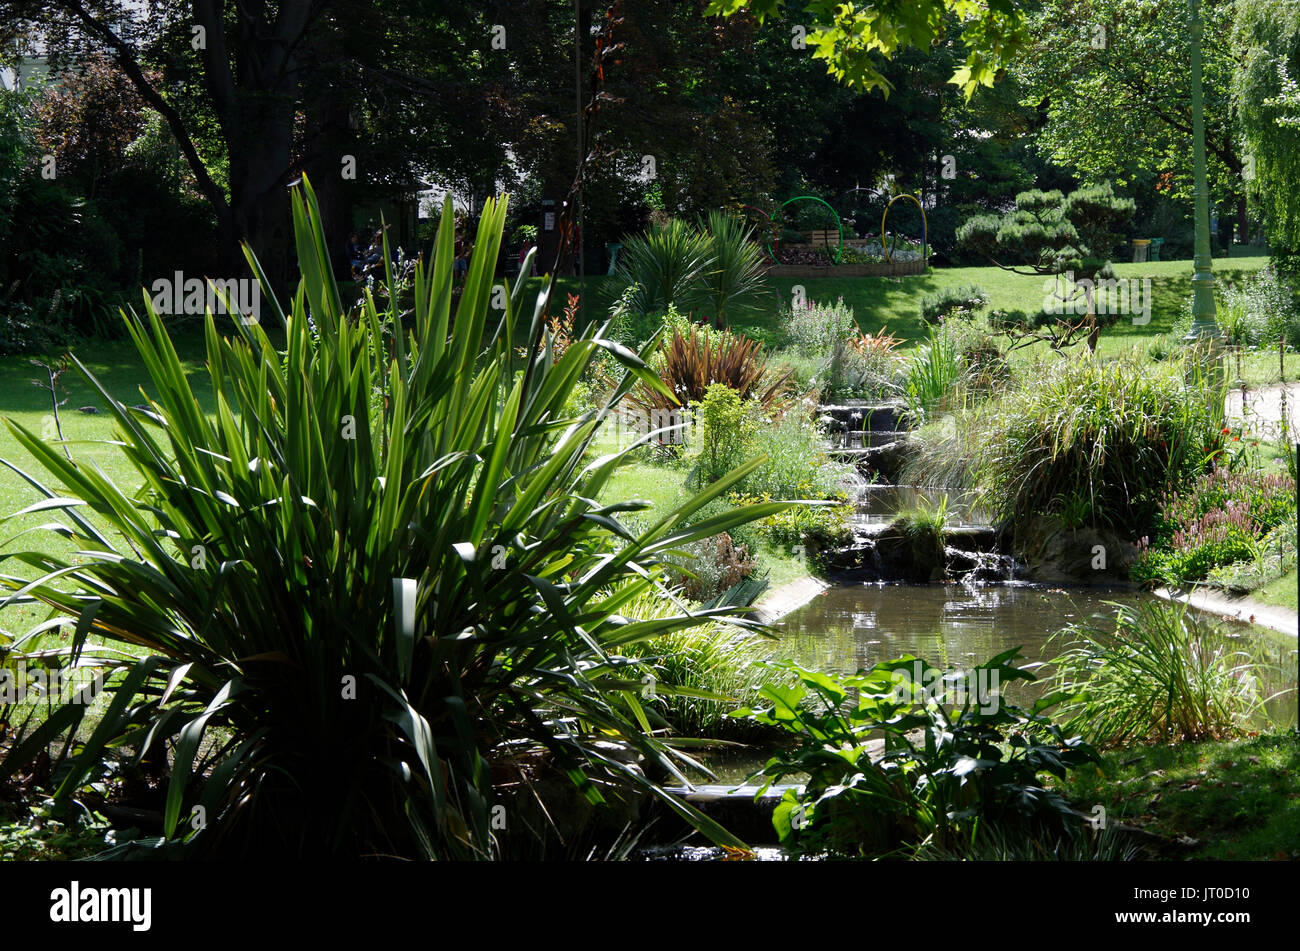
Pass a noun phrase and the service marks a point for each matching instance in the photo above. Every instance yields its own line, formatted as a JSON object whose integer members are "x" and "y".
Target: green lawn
{"x": 894, "y": 303}
{"x": 116, "y": 365}
{"x": 1281, "y": 591}
{"x": 663, "y": 486}
{"x": 1240, "y": 799}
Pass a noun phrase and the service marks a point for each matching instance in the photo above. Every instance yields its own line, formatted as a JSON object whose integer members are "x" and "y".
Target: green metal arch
{"x": 839, "y": 226}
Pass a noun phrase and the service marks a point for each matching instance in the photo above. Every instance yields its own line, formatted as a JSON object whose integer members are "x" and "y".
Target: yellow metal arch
{"x": 925, "y": 227}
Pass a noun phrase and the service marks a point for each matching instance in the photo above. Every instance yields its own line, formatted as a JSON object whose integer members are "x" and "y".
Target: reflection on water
{"x": 852, "y": 627}
{"x": 878, "y": 505}
{"x": 849, "y": 628}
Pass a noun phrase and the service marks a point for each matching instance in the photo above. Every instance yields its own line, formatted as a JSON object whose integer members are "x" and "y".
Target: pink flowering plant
{"x": 1220, "y": 520}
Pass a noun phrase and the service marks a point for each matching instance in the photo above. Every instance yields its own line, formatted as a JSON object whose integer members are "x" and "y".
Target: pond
{"x": 851, "y": 627}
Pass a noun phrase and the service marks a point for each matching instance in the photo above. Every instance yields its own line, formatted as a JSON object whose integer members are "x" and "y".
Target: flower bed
{"x": 881, "y": 269}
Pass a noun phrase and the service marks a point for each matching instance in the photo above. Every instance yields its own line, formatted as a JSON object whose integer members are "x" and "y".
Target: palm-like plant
{"x": 665, "y": 265}
{"x": 736, "y": 274}
{"x": 371, "y": 581}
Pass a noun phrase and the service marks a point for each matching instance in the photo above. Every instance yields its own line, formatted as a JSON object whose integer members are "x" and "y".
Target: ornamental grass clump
{"x": 1119, "y": 435}
{"x": 1162, "y": 675}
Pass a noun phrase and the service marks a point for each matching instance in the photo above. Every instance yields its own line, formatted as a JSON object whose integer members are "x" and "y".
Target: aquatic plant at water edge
{"x": 976, "y": 764}
{"x": 1163, "y": 674}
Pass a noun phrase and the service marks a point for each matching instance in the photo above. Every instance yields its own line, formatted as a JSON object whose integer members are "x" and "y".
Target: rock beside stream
{"x": 1053, "y": 554}
{"x": 890, "y": 554}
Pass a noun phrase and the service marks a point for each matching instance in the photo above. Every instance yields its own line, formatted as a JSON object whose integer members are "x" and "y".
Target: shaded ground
{"x": 1239, "y": 799}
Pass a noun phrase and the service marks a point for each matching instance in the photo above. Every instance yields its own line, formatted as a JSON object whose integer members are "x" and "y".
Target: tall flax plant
{"x": 336, "y": 617}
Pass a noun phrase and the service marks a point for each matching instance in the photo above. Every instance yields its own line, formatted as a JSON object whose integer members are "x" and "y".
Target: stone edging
{"x": 1241, "y": 609}
{"x": 790, "y": 596}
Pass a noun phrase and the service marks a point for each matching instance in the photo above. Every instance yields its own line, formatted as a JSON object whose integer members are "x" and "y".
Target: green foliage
{"x": 976, "y": 764}
{"x": 1261, "y": 310}
{"x": 726, "y": 428}
{"x": 1050, "y": 233}
{"x": 341, "y": 618}
{"x": 715, "y": 265}
{"x": 1266, "y": 45}
{"x": 850, "y": 37}
{"x": 817, "y": 528}
{"x": 960, "y": 303}
{"x": 1121, "y": 66}
{"x": 713, "y": 669}
{"x": 58, "y": 257}
{"x": 1120, "y": 434}
{"x": 795, "y": 465}
{"x": 854, "y": 371}
{"x": 1275, "y": 556}
{"x": 813, "y": 329}
{"x": 42, "y": 833}
{"x": 1162, "y": 675}
{"x": 735, "y": 279}
{"x": 665, "y": 265}
{"x": 841, "y": 361}
{"x": 933, "y": 374}
{"x": 924, "y": 526}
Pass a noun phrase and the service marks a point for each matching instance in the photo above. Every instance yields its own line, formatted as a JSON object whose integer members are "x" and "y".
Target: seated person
{"x": 356, "y": 258}
{"x": 375, "y": 253}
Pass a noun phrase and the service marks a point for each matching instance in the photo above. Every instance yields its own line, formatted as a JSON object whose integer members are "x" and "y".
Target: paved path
{"x": 1262, "y": 408}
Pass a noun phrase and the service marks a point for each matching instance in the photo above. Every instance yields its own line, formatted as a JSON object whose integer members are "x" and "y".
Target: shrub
{"x": 692, "y": 360}
{"x": 1121, "y": 435}
{"x": 729, "y": 431}
{"x": 814, "y": 329}
{"x": 1275, "y": 555}
{"x": 862, "y": 367}
{"x": 797, "y": 466}
{"x": 339, "y": 628}
{"x": 664, "y": 265}
{"x": 725, "y": 429}
{"x": 986, "y": 366}
{"x": 1262, "y": 309}
{"x": 977, "y": 760}
{"x": 714, "y": 264}
{"x": 924, "y": 526}
{"x": 708, "y": 568}
{"x": 953, "y": 303}
{"x": 1162, "y": 675}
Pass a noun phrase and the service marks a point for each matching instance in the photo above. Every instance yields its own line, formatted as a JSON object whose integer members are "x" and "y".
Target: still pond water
{"x": 851, "y": 627}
